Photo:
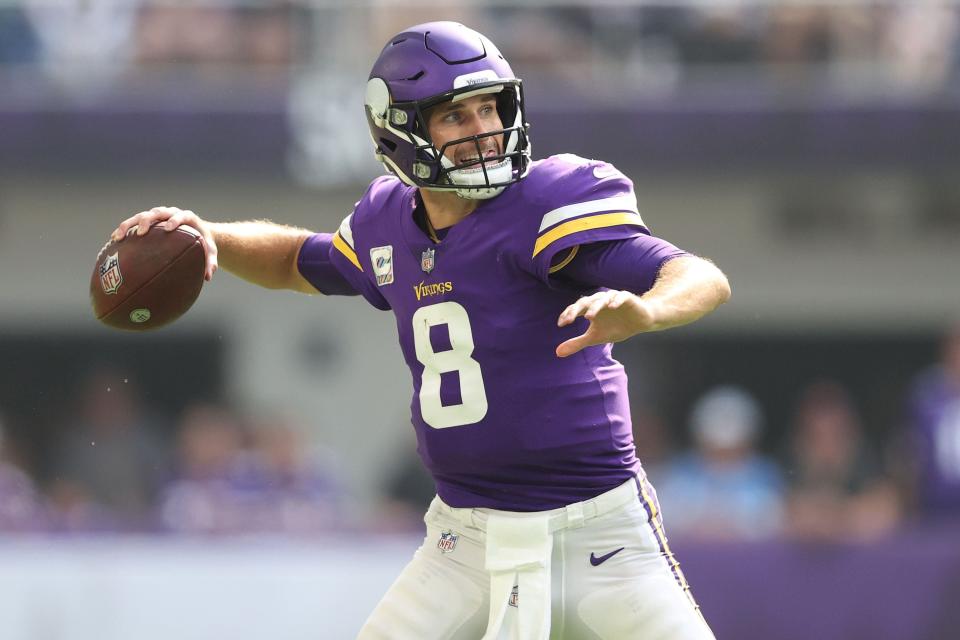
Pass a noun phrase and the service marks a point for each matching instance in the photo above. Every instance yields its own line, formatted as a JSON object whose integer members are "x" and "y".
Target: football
{"x": 148, "y": 281}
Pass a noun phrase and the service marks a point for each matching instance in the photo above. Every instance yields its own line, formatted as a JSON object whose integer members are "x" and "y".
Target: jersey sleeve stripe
{"x": 626, "y": 202}
{"x": 346, "y": 231}
{"x": 585, "y": 224}
{"x": 567, "y": 260}
{"x": 346, "y": 250}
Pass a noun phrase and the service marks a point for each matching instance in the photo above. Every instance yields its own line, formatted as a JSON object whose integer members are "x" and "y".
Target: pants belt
{"x": 571, "y": 516}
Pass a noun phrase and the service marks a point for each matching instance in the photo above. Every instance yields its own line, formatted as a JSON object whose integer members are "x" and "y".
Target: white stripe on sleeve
{"x": 627, "y": 202}
{"x": 346, "y": 232}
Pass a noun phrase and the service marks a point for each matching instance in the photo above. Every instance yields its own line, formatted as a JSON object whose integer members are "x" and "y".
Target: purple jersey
{"x": 501, "y": 421}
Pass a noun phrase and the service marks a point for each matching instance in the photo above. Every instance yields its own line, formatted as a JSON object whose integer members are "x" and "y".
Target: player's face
{"x": 471, "y": 116}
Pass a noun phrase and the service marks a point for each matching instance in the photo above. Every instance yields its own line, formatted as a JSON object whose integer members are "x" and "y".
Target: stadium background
{"x": 809, "y": 148}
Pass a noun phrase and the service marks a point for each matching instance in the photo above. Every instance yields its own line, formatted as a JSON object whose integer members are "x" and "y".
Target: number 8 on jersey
{"x": 473, "y": 396}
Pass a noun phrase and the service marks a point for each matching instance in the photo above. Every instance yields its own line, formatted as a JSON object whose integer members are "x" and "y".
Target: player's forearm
{"x": 686, "y": 289}
{"x": 260, "y": 251}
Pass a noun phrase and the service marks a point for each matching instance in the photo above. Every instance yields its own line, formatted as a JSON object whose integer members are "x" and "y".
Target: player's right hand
{"x": 169, "y": 218}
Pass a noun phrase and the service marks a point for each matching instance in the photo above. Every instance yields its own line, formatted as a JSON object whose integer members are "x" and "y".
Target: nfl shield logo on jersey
{"x": 448, "y": 542}
{"x": 426, "y": 260}
{"x": 110, "y": 276}
{"x": 382, "y": 260}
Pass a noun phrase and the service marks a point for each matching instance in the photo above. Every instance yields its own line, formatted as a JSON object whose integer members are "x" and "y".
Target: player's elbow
{"x": 716, "y": 282}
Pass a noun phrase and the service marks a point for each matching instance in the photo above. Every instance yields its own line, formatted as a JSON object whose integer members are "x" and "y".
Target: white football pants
{"x": 595, "y": 570}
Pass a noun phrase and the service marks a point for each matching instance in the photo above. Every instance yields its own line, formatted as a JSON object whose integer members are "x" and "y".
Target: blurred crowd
{"x": 116, "y": 468}
{"x": 890, "y": 45}
{"x": 826, "y": 477}
{"x": 829, "y": 478}
{"x": 142, "y": 32}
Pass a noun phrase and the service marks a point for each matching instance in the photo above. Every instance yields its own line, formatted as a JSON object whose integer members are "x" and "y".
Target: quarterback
{"x": 509, "y": 280}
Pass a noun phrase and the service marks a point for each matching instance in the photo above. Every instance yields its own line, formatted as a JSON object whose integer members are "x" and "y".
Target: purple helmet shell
{"x": 428, "y": 64}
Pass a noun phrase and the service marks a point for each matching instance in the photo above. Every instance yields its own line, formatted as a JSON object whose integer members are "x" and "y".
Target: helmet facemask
{"x": 429, "y": 168}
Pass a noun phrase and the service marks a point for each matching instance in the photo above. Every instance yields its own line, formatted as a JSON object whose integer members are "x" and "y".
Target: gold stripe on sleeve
{"x": 346, "y": 250}
{"x": 584, "y": 224}
{"x": 566, "y": 260}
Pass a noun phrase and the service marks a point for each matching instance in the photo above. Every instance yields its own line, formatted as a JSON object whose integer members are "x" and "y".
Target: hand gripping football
{"x": 145, "y": 282}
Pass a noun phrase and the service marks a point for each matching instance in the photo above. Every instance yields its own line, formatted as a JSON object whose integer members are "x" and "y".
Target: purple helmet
{"x": 428, "y": 64}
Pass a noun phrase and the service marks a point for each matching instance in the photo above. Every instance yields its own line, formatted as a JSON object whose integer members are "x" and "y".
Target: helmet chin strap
{"x": 480, "y": 194}
{"x": 500, "y": 172}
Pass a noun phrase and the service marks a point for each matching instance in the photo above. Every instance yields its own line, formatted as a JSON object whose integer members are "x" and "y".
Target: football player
{"x": 509, "y": 279}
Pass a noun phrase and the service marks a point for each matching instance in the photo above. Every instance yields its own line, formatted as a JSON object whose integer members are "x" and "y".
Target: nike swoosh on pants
{"x": 595, "y": 560}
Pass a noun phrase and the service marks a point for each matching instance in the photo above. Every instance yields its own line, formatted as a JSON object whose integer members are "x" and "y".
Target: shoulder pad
{"x": 568, "y": 179}
{"x": 377, "y": 198}
{"x": 580, "y": 195}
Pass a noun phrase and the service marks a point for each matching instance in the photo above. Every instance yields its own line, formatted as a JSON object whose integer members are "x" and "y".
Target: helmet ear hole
{"x": 507, "y": 107}
{"x": 389, "y": 144}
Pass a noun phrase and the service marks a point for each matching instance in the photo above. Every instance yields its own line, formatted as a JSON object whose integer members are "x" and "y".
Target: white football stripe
{"x": 346, "y": 232}
{"x": 626, "y": 202}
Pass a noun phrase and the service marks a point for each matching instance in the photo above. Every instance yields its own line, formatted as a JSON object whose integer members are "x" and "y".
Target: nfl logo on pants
{"x": 447, "y": 542}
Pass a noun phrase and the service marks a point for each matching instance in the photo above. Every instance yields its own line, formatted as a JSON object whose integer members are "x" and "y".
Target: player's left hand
{"x": 613, "y": 316}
